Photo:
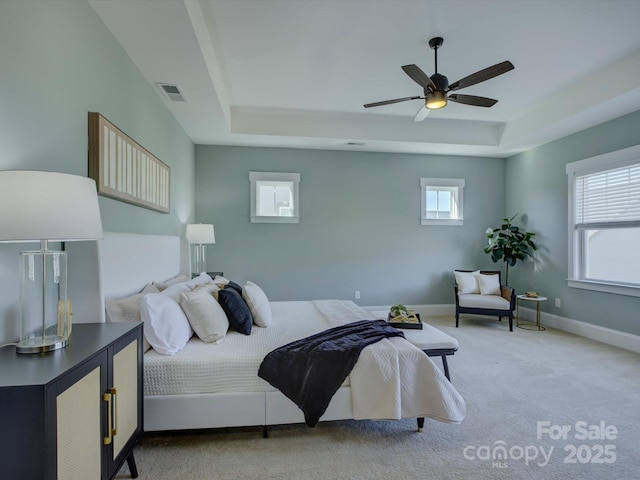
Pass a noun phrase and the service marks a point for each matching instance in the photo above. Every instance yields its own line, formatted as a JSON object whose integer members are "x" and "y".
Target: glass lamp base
{"x": 199, "y": 260}
{"x": 45, "y": 311}
{"x": 41, "y": 345}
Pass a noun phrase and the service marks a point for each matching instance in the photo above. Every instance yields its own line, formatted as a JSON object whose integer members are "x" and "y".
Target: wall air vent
{"x": 171, "y": 92}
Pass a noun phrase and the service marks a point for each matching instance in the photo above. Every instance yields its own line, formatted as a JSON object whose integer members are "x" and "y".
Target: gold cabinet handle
{"x": 114, "y": 427}
{"x": 107, "y": 440}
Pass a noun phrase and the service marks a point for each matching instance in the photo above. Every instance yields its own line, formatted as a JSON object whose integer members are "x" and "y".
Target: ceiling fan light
{"x": 436, "y": 100}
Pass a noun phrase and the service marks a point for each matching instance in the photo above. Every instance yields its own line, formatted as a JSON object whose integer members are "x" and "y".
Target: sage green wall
{"x": 58, "y": 62}
{"x": 537, "y": 186}
{"x": 359, "y": 228}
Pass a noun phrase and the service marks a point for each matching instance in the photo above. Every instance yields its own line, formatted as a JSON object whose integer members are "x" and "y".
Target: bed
{"x": 207, "y": 385}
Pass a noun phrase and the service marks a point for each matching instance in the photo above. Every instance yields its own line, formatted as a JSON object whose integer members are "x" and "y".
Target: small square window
{"x": 441, "y": 201}
{"x": 274, "y": 197}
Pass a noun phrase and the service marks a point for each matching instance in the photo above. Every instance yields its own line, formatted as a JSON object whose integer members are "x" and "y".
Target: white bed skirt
{"x": 219, "y": 410}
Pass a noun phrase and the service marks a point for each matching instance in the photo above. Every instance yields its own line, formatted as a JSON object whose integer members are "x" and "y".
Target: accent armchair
{"x": 481, "y": 292}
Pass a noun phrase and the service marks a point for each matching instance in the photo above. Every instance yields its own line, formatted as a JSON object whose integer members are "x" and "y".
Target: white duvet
{"x": 392, "y": 379}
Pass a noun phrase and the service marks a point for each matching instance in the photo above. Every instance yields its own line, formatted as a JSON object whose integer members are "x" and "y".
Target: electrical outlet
{"x": 357, "y": 294}
{"x": 558, "y": 303}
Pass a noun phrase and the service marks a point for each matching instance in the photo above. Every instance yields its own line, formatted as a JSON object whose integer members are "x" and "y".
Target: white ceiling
{"x": 296, "y": 73}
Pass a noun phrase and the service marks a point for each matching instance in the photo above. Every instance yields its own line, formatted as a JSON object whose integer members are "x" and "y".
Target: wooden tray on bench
{"x": 411, "y": 322}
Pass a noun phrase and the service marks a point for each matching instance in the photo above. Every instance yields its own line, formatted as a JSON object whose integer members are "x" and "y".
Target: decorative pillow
{"x": 176, "y": 289}
{"x": 236, "y": 286}
{"x": 219, "y": 280}
{"x": 489, "y": 284}
{"x": 258, "y": 303}
{"x": 236, "y": 309}
{"x": 207, "y": 287}
{"x": 127, "y": 309}
{"x": 167, "y": 283}
{"x": 205, "y": 315}
{"x": 467, "y": 282}
{"x": 201, "y": 279}
{"x": 210, "y": 288}
{"x": 165, "y": 325}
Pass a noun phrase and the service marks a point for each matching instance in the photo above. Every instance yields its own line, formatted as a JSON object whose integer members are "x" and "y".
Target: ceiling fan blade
{"x": 422, "y": 114}
{"x": 418, "y": 76}
{"x": 482, "y": 75}
{"x": 472, "y": 100}
{"x": 389, "y": 102}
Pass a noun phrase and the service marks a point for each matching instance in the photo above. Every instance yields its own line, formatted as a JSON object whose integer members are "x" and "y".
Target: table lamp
{"x": 199, "y": 235}
{"x": 38, "y": 206}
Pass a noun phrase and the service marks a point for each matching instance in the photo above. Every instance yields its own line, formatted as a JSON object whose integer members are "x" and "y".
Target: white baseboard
{"x": 619, "y": 339}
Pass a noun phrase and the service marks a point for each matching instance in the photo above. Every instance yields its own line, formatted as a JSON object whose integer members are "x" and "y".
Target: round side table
{"x": 529, "y": 326}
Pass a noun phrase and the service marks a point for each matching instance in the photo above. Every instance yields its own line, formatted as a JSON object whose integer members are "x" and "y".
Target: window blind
{"x": 608, "y": 198}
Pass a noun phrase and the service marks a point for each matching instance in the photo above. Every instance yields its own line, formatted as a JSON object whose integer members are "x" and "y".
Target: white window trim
{"x": 441, "y": 182}
{"x": 255, "y": 177}
{"x": 607, "y": 161}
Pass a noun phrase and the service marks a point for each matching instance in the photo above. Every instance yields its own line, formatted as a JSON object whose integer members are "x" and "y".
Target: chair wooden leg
{"x": 457, "y": 319}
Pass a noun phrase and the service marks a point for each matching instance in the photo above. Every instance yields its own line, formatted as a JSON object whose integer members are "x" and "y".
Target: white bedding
{"x": 392, "y": 379}
{"x": 231, "y": 366}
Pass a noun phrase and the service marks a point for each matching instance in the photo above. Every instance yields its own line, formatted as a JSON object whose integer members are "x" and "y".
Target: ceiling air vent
{"x": 171, "y": 91}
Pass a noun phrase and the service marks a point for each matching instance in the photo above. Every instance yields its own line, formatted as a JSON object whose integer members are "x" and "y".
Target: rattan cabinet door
{"x": 78, "y": 417}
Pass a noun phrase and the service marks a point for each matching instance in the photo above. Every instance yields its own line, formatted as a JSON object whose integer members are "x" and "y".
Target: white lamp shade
{"x": 37, "y": 205}
{"x": 200, "y": 233}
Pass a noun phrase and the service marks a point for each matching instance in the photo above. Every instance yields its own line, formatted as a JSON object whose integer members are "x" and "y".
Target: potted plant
{"x": 509, "y": 244}
{"x": 399, "y": 311}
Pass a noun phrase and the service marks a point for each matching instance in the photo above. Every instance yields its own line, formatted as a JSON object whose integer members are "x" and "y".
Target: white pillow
{"x": 205, "y": 315}
{"x": 210, "y": 288}
{"x": 180, "y": 278}
{"x": 201, "y": 279}
{"x": 467, "y": 282}
{"x": 165, "y": 325}
{"x": 127, "y": 309}
{"x": 175, "y": 290}
{"x": 258, "y": 303}
{"x": 219, "y": 280}
{"x": 489, "y": 284}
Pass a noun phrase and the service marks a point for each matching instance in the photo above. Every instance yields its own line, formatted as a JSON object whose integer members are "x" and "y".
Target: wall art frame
{"x": 124, "y": 170}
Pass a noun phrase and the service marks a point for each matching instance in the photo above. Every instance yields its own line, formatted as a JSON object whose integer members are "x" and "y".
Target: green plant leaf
{"x": 509, "y": 244}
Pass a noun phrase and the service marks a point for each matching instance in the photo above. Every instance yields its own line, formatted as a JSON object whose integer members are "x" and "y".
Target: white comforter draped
{"x": 394, "y": 379}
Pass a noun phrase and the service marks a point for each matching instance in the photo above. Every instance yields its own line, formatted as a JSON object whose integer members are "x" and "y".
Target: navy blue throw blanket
{"x": 309, "y": 371}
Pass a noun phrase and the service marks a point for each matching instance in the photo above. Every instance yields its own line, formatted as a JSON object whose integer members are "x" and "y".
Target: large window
{"x": 604, "y": 223}
{"x": 274, "y": 197}
{"x": 441, "y": 202}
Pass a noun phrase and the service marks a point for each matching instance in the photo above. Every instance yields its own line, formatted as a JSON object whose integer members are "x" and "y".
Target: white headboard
{"x": 119, "y": 265}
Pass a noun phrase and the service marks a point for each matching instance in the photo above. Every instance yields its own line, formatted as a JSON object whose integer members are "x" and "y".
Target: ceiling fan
{"x": 437, "y": 87}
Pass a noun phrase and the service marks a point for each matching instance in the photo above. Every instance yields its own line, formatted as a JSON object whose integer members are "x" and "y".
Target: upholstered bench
{"x": 434, "y": 343}
{"x": 430, "y": 340}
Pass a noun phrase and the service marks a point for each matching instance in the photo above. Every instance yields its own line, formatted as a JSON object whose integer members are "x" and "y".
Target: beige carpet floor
{"x": 523, "y": 389}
